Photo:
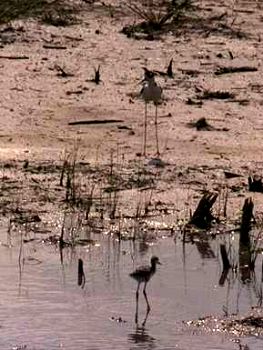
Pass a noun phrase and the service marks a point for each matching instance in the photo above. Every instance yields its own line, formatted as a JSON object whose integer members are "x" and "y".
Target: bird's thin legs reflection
{"x": 141, "y": 336}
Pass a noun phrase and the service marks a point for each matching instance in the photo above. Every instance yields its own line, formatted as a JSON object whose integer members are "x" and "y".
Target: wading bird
{"x": 143, "y": 275}
{"x": 151, "y": 92}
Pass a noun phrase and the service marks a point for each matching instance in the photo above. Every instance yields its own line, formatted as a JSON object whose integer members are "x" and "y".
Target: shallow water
{"x": 42, "y": 307}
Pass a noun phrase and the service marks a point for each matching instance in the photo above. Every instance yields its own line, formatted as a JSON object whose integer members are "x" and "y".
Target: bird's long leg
{"x": 146, "y": 317}
{"x": 137, "y": 303}
{"x": 156, "y": 131}
{"x": 145, "y": 130}
{"x": 145, "y": 295}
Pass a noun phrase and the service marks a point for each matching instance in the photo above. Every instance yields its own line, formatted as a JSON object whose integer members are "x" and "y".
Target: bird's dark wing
{"x": 142, "y": 269}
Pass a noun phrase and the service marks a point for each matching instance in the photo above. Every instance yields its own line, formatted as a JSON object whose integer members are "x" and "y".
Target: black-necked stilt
{"x": 143, "y": 275}
{"x": 151, "y": 92}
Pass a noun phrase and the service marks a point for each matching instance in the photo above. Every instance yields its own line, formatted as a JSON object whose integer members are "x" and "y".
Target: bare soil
{"x": 58, "y": 126}
{"x": 38, "y": 104}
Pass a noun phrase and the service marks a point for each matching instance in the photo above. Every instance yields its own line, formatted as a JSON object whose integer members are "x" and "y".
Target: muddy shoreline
{"x": 71, "y": 147}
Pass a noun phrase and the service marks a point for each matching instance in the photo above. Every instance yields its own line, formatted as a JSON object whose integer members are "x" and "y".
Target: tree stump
{"x": 247, "y": 217}
{"x": 202, "y": 217}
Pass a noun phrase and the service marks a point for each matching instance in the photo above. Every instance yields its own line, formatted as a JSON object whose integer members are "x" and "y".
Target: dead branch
{"x": 227, "y": 70}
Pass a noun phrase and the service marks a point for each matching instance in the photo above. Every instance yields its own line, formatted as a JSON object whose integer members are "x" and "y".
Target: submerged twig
{"x": 81, "y": 274}
{"x": 225, "y": 260}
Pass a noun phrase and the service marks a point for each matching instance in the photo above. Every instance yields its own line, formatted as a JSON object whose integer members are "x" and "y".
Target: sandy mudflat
{"x": 37, "y": 103}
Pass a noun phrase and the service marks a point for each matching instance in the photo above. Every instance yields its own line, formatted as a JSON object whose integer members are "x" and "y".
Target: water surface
{"x": 42, "y": 307}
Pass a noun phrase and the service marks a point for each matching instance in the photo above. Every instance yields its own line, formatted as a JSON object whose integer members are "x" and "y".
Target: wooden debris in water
{"x": 246, "y": 257}
{"x": 247, "y": 216}
{"x": 202, "y": 217}
{"x": 223, "y": 277}
{"x": 81, "y": 274}
{"x": 225, "y": 260}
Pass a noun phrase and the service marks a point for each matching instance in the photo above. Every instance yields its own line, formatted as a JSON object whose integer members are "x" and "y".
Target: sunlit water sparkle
{"x": 42, "y": 307}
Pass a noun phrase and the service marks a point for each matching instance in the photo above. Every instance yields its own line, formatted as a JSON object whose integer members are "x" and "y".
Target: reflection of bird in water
{"x": 143, "y": 275}
{"x": 151, "y": 92}
{"x": 141, "y": 336}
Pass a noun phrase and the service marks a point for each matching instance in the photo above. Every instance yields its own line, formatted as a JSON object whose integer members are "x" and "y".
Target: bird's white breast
{"x": 151, "y": 92}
